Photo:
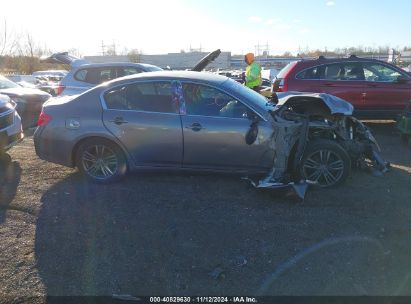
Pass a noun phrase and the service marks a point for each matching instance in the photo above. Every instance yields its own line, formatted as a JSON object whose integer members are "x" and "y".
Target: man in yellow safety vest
{"x": 252, "y": 73}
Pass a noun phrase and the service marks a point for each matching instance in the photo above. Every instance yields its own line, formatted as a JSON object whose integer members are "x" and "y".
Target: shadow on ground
{"x": 9, "y": 180}
{"x": 139, "y": 238}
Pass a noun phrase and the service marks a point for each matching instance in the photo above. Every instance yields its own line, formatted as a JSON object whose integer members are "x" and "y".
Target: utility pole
{"x": 103, "y": 47}
{"x": 108, "y": 49}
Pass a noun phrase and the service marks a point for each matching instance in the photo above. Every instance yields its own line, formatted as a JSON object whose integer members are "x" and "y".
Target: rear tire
{"x": 101, "y": 161}
{"x": 326, "y": 163}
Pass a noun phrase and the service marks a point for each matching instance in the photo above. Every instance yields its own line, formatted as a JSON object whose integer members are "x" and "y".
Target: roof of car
{"x": 166, "y": 75}
{"x": 110, "y": 64}
{"x": 344, "y": 59}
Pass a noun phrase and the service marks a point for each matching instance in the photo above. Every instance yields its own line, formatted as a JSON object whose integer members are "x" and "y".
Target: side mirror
{"x": 252, "y": 133}
{"x": 403, "y": 79}
{"x": 252, "y": 116}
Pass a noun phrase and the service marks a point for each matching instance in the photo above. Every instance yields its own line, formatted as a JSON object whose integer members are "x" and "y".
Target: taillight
{"x": 60, "y": 89}
{"x": 282, "y": 86}
{"x": 281, "y": 83}
{"x": 44, "y": 119}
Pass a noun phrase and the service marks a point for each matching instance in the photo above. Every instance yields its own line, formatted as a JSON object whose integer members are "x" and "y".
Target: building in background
{"x": 177, "y": 61}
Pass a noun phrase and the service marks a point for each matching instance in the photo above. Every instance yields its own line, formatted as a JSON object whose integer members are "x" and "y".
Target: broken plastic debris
{"x": 299, "y": 189}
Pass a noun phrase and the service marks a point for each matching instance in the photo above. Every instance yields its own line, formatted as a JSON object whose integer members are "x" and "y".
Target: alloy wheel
{"x": 100, "y": 162}
{"x": 324, "y": 167}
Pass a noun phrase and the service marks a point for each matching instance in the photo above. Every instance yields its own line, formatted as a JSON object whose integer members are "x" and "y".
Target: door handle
{"x": 195, "y": 127}
{"x": 328, "y": 84}
{"x": 119, "y": 120}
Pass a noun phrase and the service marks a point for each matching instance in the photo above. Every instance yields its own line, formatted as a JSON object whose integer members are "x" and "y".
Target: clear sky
{"x": 156, "y": 26}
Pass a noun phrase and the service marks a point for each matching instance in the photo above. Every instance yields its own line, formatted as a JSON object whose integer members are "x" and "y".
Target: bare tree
{"x": 75, "y": 52}
{"x": 8, "y": 40}
{"x": 135, "y": 55}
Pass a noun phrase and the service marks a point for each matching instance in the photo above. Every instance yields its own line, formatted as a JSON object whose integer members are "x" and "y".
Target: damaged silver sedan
{"x": 201, "y": 121}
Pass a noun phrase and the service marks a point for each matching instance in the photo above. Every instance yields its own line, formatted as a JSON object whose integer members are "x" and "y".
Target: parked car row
{"x": 10, "y": 124}
{"x": 28, "y": 101}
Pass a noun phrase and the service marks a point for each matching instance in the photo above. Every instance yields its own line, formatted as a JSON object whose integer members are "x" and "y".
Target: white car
{"x": 84, "y": 75}
{"x": 11, "y": 131}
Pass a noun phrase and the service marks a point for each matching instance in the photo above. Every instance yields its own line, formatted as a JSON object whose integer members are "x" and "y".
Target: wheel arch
{"x": 98, "y": 137}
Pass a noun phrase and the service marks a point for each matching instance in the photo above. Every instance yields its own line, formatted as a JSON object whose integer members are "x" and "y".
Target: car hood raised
{"x": 64, "y": 58}
{"x": 335, "y": 104}
{"x": 201, "y": 65}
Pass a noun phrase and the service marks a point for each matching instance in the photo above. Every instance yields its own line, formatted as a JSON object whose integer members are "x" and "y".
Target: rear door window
{"x": 312, "y": 73}
{"x": 334, "y": 72}
{"x": 344, "y": 71}
{"x": 96, "y": 75}
{"x": 147, "y": 97}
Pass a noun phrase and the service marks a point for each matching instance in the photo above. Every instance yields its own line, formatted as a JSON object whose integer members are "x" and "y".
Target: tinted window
{"x": 313, "y": 73}
{"x": 81, "y": 75}
{"x": 150, "y": 97}
{"x": 152, "y": 68}
{"x": 208, "y": 101}
{"x": 344, "y": 71}
{"x": 130, "y": 71}
{"x": 96, "y": 75}
{"x": 379, "y": 72}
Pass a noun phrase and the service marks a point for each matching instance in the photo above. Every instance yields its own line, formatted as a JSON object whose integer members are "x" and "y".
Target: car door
{"x": 385, "y": 91}
{"x": 214, "y": 128}
{"x": 345, "y": 81}
{"x": 143, "y": 119}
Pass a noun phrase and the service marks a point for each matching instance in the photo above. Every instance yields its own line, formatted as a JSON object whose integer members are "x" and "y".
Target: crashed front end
{"x": 301, "y": 118}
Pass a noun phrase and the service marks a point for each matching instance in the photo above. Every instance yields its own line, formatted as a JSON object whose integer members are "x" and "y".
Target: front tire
{"x": 101, "y": 161}
{"x": 326, "y": 163}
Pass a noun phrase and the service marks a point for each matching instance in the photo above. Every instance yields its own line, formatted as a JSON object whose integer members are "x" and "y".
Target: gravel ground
{"x": 198, "y": 234}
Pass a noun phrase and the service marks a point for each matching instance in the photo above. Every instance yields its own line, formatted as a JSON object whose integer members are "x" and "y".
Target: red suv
{"x": 375, "y": 88}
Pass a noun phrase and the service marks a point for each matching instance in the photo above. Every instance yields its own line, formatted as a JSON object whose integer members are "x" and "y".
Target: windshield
{"x": 153, "y": 68}
{"x": 242, "y": 90}
{"x": 7, "y": 84}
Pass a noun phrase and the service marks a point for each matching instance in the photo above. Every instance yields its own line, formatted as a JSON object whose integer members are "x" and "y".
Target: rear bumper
{"x": 50, "y": 149}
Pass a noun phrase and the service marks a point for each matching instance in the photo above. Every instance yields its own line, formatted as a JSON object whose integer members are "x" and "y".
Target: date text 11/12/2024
{"x": 203, "y": 300}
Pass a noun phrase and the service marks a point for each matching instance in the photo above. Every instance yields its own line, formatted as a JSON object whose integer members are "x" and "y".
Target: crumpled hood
{"x": 335, "y": 104}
